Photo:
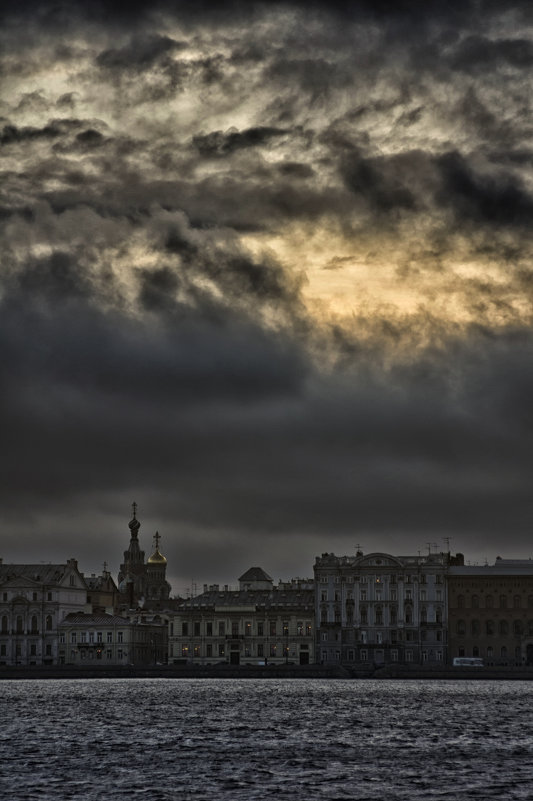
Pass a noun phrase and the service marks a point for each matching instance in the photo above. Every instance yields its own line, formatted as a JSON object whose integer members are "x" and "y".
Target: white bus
{"x": 467, "y": 661}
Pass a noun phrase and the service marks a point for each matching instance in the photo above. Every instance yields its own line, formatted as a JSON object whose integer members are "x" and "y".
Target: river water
{"x": 183, "y": 739}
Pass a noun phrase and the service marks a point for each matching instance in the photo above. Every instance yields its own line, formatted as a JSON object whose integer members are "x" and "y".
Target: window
{"x": 461, "y": 628}
{"x": 285, "y": 629}
{"x": 221, "y": 628}
{"x": 248, "y": 629}
{"x": 408, "y": 656}
{"x": 503, "y": 602}
{"x": 272, "y": 628}
{"x": 109, "y": 636}
{"x": 379, "y": 637}
{"x": 99, "y": 636}
{"x": 364, "y": 656}
{"x": 324, "y": 595}
{"x": 221, "y": 649}
{"x": 91, "y": 636}
{"x": 184, "y": 630}
{"x": 62, "y": 638}
{"x": 489, "y": 602}
{"x": 4, "y": 623}
{"x": 209, "y": 629}
{"x": 109, "y": 653}
{"x": 49, "y": 649}
{"x": 72, "y": 581}
{"x": 379, "y": 616}
{"x": 185, "y": 650}
{"x": 393, "y": 595}
{"x": 393, "y": 615}
{"x": 476, "y": 628}
{"x": 196, "y": 650}
{"x": 272, "y": 650}
{"x": 475, "y": 602}
{"x": 234, "y": 628}
{"x": 260, "y": 650}
{"x": 33, "y": 650}
{"x": 408, "y": 595}
{"x": 475, "y": 651}
{"x": 364, "y": 615}
{"x": 34, "y": 624}
{"x": 394, "y": 655}
{"x": 489, "y": 627}
{"x": 120, "y": 636}
{"x": 73, "y": 638}
{"x": 408, "y": 615}
{"x": 196, "y": 628}
{"x": 504, "y": 627}
{"x": 460, "y": 602}
{"x": 503, "y": 652}
{"x": 438, "y": 595}
{"x": 48, "y": 623}
{"x": 299, "y": 628}
{"x": 308, "y": 629}
{"x": 422, "y": 595}
{"x": 423, "y": 615}
{"x": 260, "y": 629}
{"x": 424, "y": 656}
{"x": 517, "y": 602}
{"x": 363, "y": 595}
{"x": 34, "y": 596}
{"x": 49, "y": 596}
{"x": 490, "y": 652}
{"x": 518, "y": 628}
{"x": 209, "y": 649}
{"x": 120, "y": 654}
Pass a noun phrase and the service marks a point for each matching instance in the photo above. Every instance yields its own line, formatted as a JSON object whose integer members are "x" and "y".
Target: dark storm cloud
{"x": 153, "y": 343}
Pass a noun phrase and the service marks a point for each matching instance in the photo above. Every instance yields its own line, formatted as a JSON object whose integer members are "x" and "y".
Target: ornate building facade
{"x": 378, "y": 608}
{"x": 34, "y": 600}
{"x": 258, "y": 623}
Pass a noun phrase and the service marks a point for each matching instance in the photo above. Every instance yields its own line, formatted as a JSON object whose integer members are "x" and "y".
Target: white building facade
{"x": 377, "y": 609}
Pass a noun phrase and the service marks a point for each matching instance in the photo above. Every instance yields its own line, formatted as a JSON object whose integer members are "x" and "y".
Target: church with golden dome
{"x": 139, "y": 582}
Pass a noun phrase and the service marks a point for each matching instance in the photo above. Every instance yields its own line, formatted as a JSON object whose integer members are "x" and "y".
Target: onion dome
{"x": 157, "y": 557}
{"x": 134, "y": 524}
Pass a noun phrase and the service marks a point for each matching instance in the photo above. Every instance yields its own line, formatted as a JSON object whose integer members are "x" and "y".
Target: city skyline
{"x": 267, "y": 272}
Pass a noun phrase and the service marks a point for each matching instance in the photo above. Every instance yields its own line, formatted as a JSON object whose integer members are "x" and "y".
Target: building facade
{"x": 491, "y": 612}
{"x": 34, "y": 600}
{"x": 257, "y": 624}
{"x": 378, "y": 608}
{"x": 101, "y": 639}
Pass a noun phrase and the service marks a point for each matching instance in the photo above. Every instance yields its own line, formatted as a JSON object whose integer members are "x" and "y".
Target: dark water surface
{"x": 209, "y": 739}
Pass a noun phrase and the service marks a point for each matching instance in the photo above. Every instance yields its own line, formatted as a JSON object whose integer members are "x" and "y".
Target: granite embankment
{"x": 262, "y": 672}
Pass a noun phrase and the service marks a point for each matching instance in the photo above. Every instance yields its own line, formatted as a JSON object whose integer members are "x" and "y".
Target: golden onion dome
{"x": 157, "y": 558}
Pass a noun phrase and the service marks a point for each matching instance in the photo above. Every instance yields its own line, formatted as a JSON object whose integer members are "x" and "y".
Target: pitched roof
{"x": 45, "y": 573}
{"x": 255, "y": 574}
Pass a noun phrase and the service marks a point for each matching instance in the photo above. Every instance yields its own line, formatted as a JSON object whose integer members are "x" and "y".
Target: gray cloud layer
{"x": 151, "y": 351}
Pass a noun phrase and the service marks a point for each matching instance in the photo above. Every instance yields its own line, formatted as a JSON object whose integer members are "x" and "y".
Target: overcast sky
{"x": 266, "y": 270}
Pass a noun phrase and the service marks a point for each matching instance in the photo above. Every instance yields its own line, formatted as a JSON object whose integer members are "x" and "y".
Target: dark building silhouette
{"x": 141, "y": 582}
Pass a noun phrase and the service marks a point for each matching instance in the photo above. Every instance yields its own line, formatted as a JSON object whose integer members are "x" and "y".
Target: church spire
{"x": 134, "y": 524}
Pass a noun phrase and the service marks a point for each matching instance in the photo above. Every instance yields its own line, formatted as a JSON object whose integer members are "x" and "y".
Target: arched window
{"x": 503, "y": 601}
{"x": 489, "y": 627}
{"x": 379, "y": 616}
{"x": 34, "y": 628}
{"x": 504, "y": 628}
{"x": 489, "y": 601}
{"x": 518, "y": 628}
{"x": 48, "y": 622}
{"x": 475, "y": 602}
{"x": 460, "y": 602}
{"x": 490, "y": 652}
{"x": 517, "y": 602}
{"x": 461, "y": 627}
{"x": 476, "y": 628}
{"x": 19, "y": 624}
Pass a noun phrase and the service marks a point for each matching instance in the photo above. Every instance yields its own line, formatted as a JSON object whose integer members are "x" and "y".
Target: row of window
{"x": 90, "y": 637}
{"x": 424, "y": 578}
{"x": 18, "y": 627}
{"x": 378, "y": 656}
{"x": 21, "y": 594}
{"x": 476, "y": 602}
{"x": 503, "y": 627}
{"x": 32, "y": 651}
{"x": 211, "y": 650}
{"x": 378, "y": 595}
{"x": 491, "y": 653}
{"x": 194, "y": 628}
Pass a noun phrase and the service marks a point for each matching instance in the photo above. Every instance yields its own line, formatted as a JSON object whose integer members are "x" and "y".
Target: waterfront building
{"x": 491, "y": 612}
{"x": 102, "y": 592}
{"x": 97, "y": 639}
{"x": 142, "y": 583}
{"x": 258, "y": 623}
{"x": 377, "y": 608}
{"x": 34, "y": 600}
